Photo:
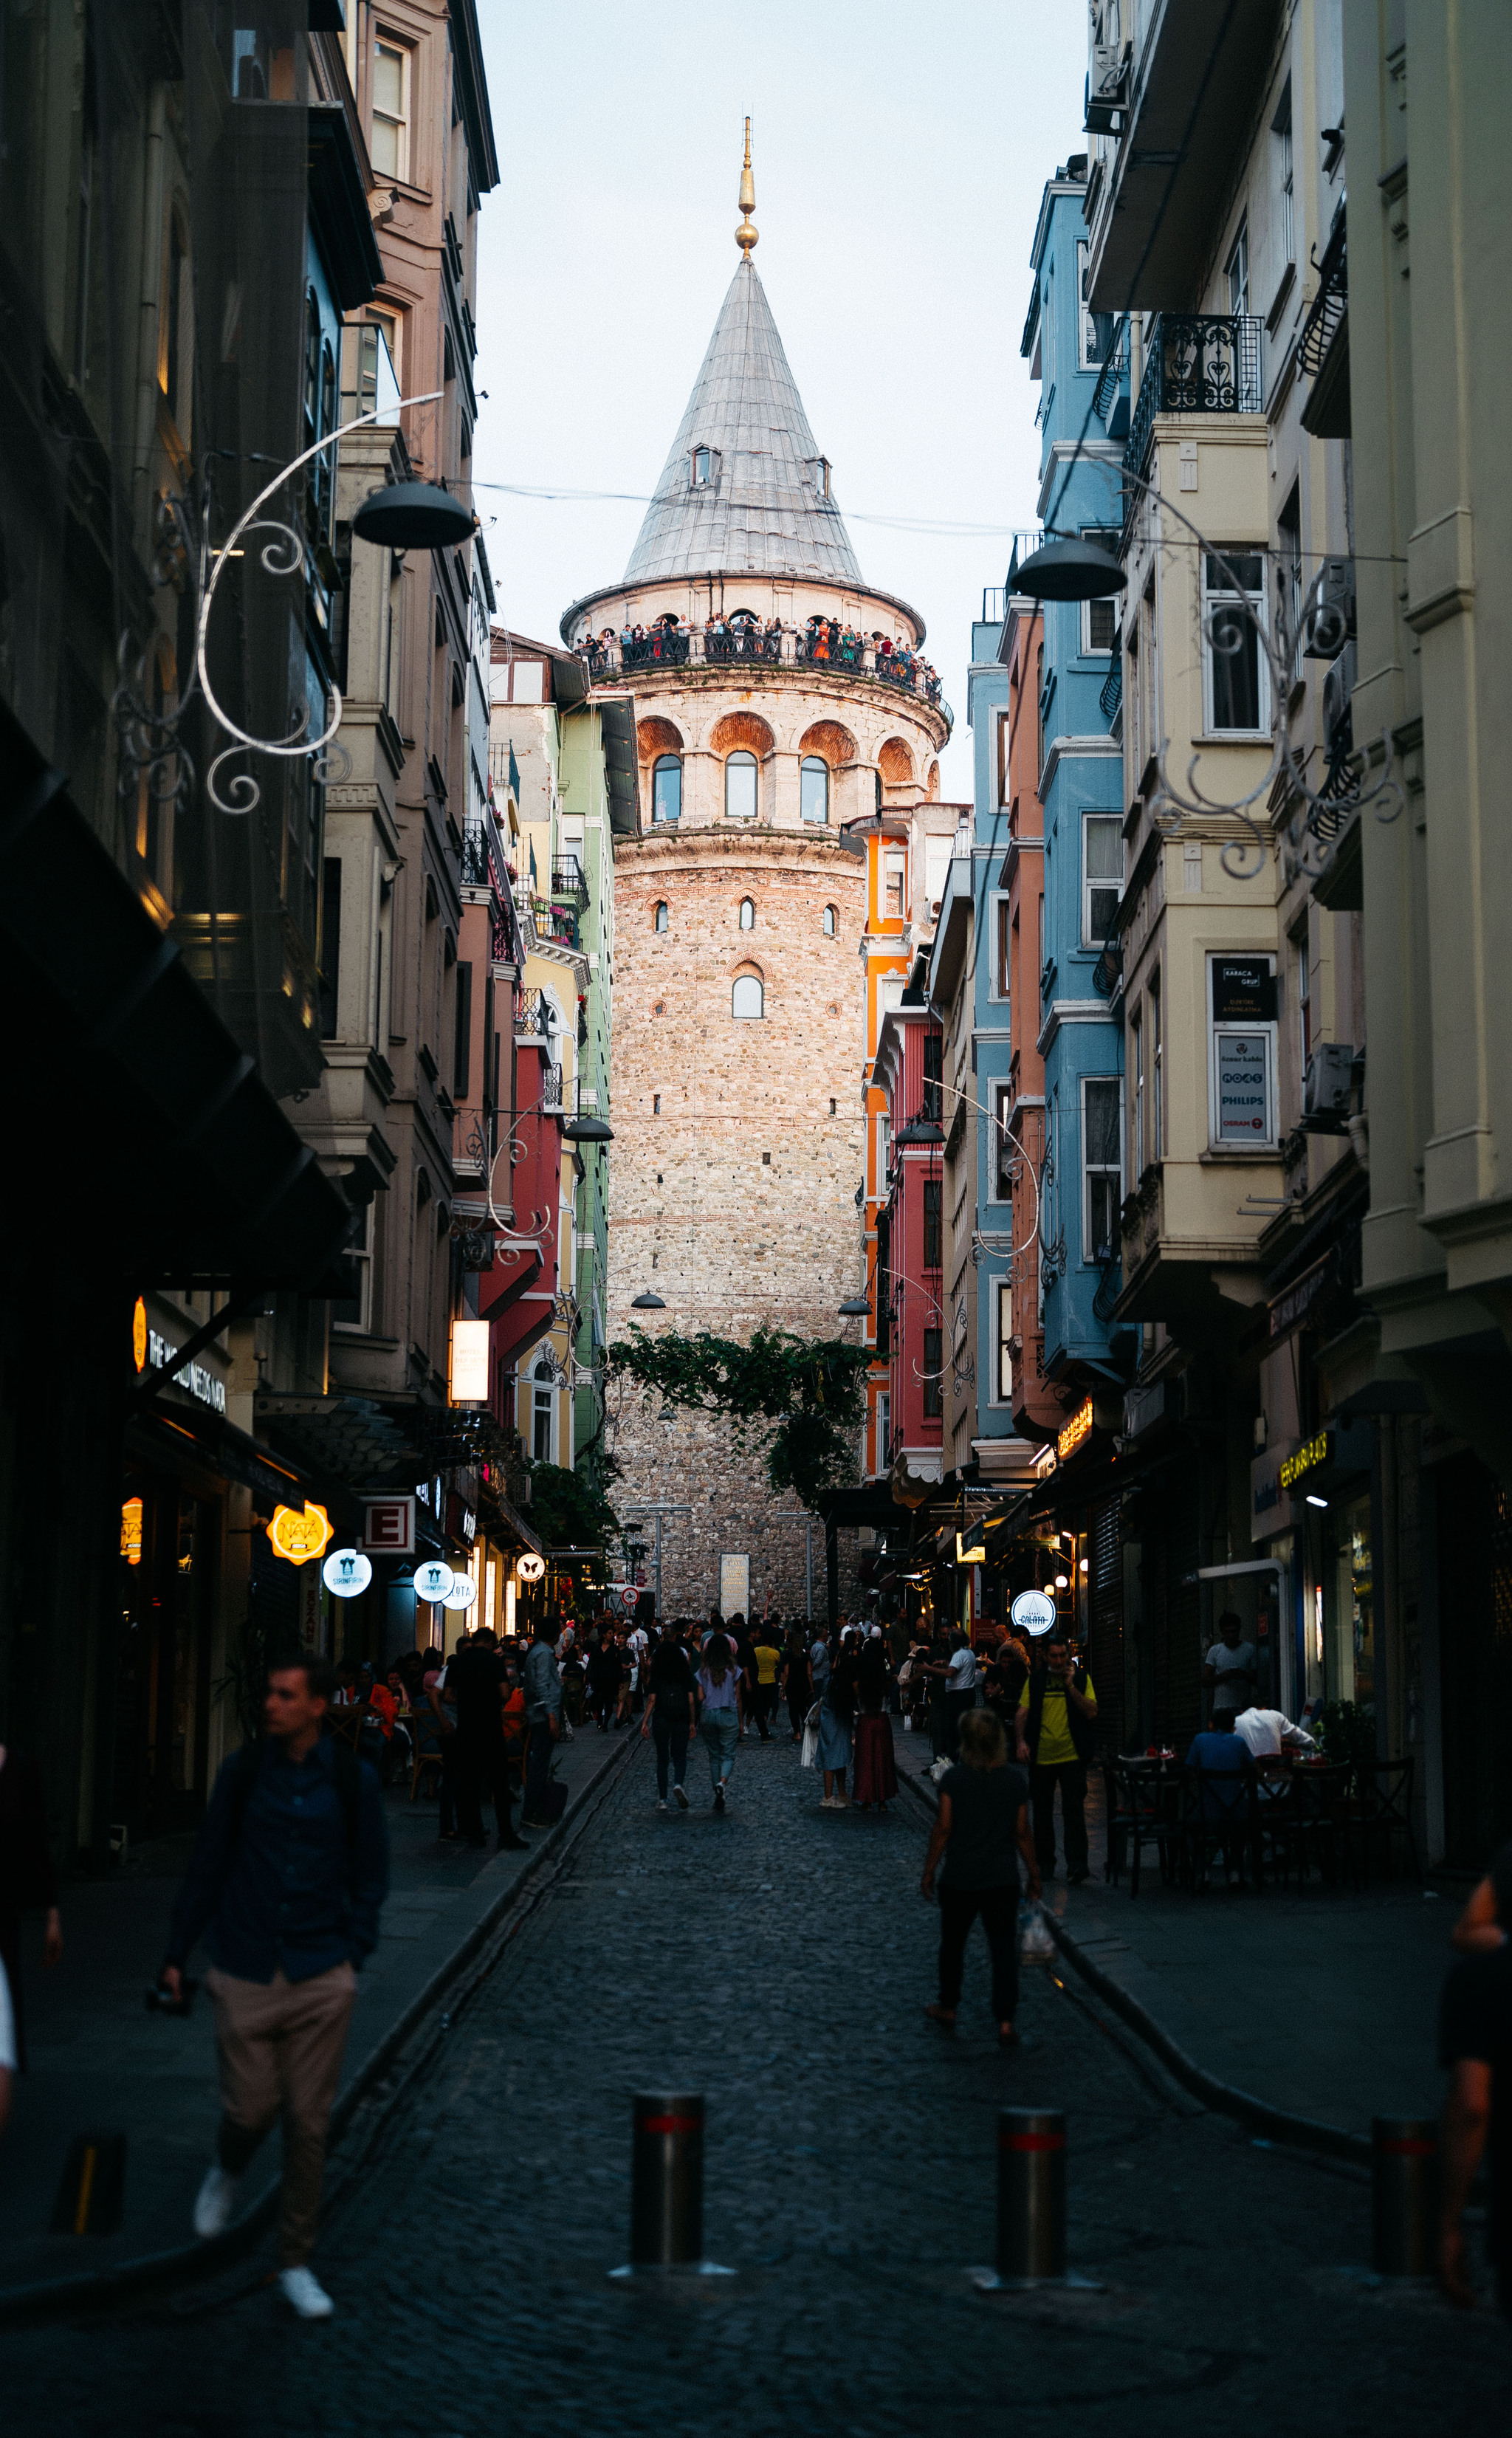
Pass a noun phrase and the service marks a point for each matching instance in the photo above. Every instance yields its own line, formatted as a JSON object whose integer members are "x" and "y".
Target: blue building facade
{"x": 1083, "y": 414}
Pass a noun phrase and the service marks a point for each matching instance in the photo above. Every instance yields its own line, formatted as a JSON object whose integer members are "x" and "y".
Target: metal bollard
{"x": 1030, "y": 2193}
{"x": 667, "y": 2181}
{"x": 1405, "y": 2178}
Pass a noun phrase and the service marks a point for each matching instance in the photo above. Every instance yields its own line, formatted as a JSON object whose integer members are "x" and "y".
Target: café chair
{"x": 1138, "y": 1816}
{"x": 1383, "y": 1809}
{"x": 1217, "y": 1813}
{"x": 425, "y": 1731}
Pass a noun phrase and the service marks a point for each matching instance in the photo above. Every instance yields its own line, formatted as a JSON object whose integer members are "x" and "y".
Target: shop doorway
{"x": 171, "y": 1541}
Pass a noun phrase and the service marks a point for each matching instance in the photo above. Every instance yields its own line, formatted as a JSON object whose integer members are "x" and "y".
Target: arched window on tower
{"x": 748, "y": 915}
{"x": 740, "y": 788}
{"x": 662, "y": 913}
{"x": 666, "y": 789}
{"x": 814, "y": 787}
{"x": 829, "y": 922}
{"x": 748, "y": 998}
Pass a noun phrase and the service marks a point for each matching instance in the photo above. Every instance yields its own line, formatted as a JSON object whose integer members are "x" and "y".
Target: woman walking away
{"x": 982, "y": 1829}
{"x": 719, "y": 1721}
{"x": 837, "y": 1711}
{"x": 876, "y": 1778}
{"x": 669, "y": 1713}
{"x": 793, "y": 1680}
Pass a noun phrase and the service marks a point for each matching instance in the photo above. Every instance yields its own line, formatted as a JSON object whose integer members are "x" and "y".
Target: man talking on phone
{"x": 287, "y": 1875}
{"x": 1056, "y": 1730}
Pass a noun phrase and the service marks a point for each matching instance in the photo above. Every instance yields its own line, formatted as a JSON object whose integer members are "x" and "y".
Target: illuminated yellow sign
{"x": 300, "y": 1534}
{"x": 139, "y": 1336}
{"x": 974, "y": 1556}
{"x": 132, "y": 1526}
{"x": 1306, "y": 1459}
{"x": 1077, "y": 1429}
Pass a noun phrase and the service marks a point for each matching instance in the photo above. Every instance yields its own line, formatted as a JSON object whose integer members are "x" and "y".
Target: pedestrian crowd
{"x": 289, "y": 1871}
{"x": 745, "y": 637}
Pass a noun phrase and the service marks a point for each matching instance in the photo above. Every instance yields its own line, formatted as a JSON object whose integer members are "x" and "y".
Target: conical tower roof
{"x": 765, "y": 510}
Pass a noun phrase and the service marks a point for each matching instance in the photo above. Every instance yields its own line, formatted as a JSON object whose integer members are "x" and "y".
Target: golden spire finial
{"x": 746, "y": 234}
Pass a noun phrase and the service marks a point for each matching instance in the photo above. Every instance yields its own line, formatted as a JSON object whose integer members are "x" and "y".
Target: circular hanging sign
{"x": 347, "y": 1572}
{"x": 463, "y": 1593}
{"x": 1033, "y": 1612}
{"x": 300, "y": 1534}
{"x": 531, "y": 1567}
{"x": 433, "y": 1580}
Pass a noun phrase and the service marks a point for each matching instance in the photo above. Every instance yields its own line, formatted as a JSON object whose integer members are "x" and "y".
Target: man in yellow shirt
{"x": 762, "y": 1686}
{"x": 1056, "y": 1730}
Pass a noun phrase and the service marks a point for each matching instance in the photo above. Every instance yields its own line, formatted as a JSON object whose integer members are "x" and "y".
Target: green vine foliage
{"x": 569, "y": 1510}
{"x": 804, "y": 1398}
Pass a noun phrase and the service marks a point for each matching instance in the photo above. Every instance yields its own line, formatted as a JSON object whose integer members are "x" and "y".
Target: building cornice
{"x": 1074, "y": 748}
{"x": 1071, "y": 1011}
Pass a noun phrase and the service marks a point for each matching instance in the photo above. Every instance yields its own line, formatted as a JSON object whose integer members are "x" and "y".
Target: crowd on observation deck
{"x": 744, "y": 637}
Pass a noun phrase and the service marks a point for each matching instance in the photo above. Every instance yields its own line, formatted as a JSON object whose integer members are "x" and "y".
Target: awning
{"x": 179, "y": 1434}
{"x": 205, "y": 1180}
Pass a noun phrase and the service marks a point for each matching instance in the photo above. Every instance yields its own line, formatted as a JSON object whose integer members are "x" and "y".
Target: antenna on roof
{"x": 746, "y": 234}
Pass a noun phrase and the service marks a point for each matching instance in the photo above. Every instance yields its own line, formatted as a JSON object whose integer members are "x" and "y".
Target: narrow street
{"x": 778, "y": 1959}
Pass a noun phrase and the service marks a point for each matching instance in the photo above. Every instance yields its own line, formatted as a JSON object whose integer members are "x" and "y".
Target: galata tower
{"x": 779, "y": 703}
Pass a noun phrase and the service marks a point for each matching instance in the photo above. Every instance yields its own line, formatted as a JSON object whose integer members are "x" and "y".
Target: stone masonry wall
{"x": 738, "y": 1150}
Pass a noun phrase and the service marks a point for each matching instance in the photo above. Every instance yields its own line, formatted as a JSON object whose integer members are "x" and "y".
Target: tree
{"x": 804, "y": 1397}
{"x": 568, "y": 1511}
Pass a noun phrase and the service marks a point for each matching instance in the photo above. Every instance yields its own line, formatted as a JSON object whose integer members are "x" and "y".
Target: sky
{"x": 898, "y": 153}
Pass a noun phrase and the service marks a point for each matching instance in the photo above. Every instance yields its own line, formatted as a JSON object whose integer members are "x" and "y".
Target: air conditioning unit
{"x": 1330, "y": 622}
{"x": 1107, "y": 87}
{"x": 1338, "y": 688}
{"x": 1328, "y": 1083}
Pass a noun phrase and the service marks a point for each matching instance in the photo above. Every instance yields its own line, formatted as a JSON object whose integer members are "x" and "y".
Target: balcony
{"x": 1322, "y": 349}
{"x": 568, "y": 887}
{"x": 1177, "y": 103}
{"x": 754, "y": 646}
{"x": 1195, "y": 363}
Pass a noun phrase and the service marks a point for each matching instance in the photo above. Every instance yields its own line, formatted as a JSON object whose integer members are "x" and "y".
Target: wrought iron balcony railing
{"x": 1195, "y": 363}
{"x": 568, "y": 887}
{"x": 1330, "y": 304}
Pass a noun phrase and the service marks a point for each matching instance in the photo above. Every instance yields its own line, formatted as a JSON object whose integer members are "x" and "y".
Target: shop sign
{"x": 433, "y": 1580}
{"x": 200, "y": 1385}
{"x": 139, "y": 1334}
{"x": 1077, "y": 1430}
{"x": 132, "y": 1531}
{"x": 530, "y": 1567}
{"x": 311, "y": 1618}
{"x": 463, "y": 1593}
{"x": 1243, "y": 990}
{"x": 971, "y": 1550}
{"x": 1290, "y": 1310}
{"x": 1033, "y": 1612}
{"x": 1044, "y": 1463}
{"x": 1307, "y": 1458}
{"x": 300, "y": 1533}
{"x": 347, "y": 1573}
{"x": 1244, "y": 1087}
{"x": 469, "y": 1362}
{"x": 1268, "y": 1510}
{"x": 388, "y": 1526}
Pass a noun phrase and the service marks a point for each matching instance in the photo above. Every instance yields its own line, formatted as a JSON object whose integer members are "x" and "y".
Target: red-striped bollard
{"x": 1404, "y": 2180}
{"x": 1030, "y": 2193}
{"x": 667, "y": 2181}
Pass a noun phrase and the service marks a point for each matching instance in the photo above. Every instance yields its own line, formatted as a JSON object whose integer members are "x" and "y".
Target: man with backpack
{"x": 285, "y": 1884}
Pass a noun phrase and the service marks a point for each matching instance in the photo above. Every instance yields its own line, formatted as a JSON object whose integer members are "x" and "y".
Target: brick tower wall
{"x": 735, "y": 1201}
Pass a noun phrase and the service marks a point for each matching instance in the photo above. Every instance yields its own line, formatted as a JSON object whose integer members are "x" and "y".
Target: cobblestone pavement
{"x": 778, "y": 1959}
